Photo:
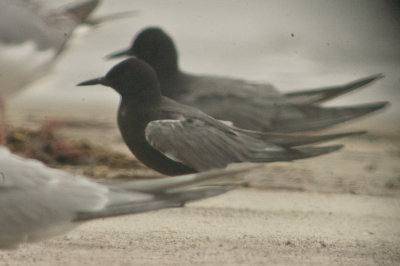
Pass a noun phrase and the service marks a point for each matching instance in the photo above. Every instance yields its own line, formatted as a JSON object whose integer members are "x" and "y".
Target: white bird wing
{"x": 37, "y": 202}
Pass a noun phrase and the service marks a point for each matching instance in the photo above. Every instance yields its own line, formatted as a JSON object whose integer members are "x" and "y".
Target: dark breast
{"x": 132, "y": 126}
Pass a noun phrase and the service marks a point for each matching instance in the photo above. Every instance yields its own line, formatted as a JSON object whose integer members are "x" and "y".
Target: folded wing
{"x": 201, "y": 145}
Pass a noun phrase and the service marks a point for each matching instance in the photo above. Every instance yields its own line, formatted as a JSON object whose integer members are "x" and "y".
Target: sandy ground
{"x": 339, "y": 209}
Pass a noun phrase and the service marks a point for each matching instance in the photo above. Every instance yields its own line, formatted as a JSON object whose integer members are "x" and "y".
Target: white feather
{"x": 22, "y": 64}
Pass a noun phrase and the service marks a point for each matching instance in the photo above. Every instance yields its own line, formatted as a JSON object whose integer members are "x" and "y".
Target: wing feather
{"x": 205, "y": 144}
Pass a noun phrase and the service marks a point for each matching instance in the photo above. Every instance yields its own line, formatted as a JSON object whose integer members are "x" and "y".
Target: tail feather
{"x": 80, "y": 10}
{"x": 165, "y": 201}
{"x": 164, "y": 185}
{"x": 200, "y": 193}
{"x": 124, "y": 209}
{"x": 294, "y": 140}
{"x": 317, "y": 118}
{"x": 308, "y": 152}
{"x": 300, "y": 140}
{"x": 296, "y": 154}
{"x": 168, "y": 192}
{"x": 94, "y": 21}
{"x": 320, "y": 95}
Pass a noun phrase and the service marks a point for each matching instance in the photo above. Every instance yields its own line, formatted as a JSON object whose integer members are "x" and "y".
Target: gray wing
{"x": 173, "y": 191}
{"x": 321, "y": 95}
{"x": 316, "y": 117}
{"x": 37, "y": 202}
{"x": 275, "y": 115}
{"x": 246, "y": 105}
{"x": 202, "y": 145}
{"x": 296, "y": 140}
{"x": 20, "y": 23}
{"x": 261, "y": 107}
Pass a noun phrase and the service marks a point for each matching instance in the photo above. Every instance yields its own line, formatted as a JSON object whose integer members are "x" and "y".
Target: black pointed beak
{"x": 102, "y": 81}
{"x": 119, "y": 54}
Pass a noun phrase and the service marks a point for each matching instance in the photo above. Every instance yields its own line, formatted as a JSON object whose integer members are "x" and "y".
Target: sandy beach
{"x": 338, "y": 209}
{"x": 244, "y": 227}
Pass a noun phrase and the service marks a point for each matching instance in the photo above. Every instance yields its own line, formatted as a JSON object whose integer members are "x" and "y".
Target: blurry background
{"x": 291, "y": 44}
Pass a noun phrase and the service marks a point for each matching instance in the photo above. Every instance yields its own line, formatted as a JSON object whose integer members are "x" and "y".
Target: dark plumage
{"x": 252, "y": 106}
{"x": 177, "y": 139}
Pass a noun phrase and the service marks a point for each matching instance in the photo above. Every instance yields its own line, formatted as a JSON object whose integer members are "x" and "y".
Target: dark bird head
{"x": 155, "y": 47}
{"x": 130, "y": 78}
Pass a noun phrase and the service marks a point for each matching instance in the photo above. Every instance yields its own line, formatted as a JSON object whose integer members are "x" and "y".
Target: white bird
{"x": 32, "y": 38}
{"x": 37, "y": 202}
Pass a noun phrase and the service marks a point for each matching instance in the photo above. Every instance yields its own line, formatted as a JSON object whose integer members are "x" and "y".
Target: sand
{"x": 247, "y": 226}
{"x": 339, "y": 209}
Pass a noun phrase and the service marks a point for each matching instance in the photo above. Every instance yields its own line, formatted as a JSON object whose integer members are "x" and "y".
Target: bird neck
{"x": 144, "y": 98}
{"x": 166, "y": 72}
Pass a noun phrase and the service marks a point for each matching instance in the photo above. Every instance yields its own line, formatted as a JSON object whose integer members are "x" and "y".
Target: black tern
{"x": 176, "y": 139}
{"x": 252, "y": 106}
